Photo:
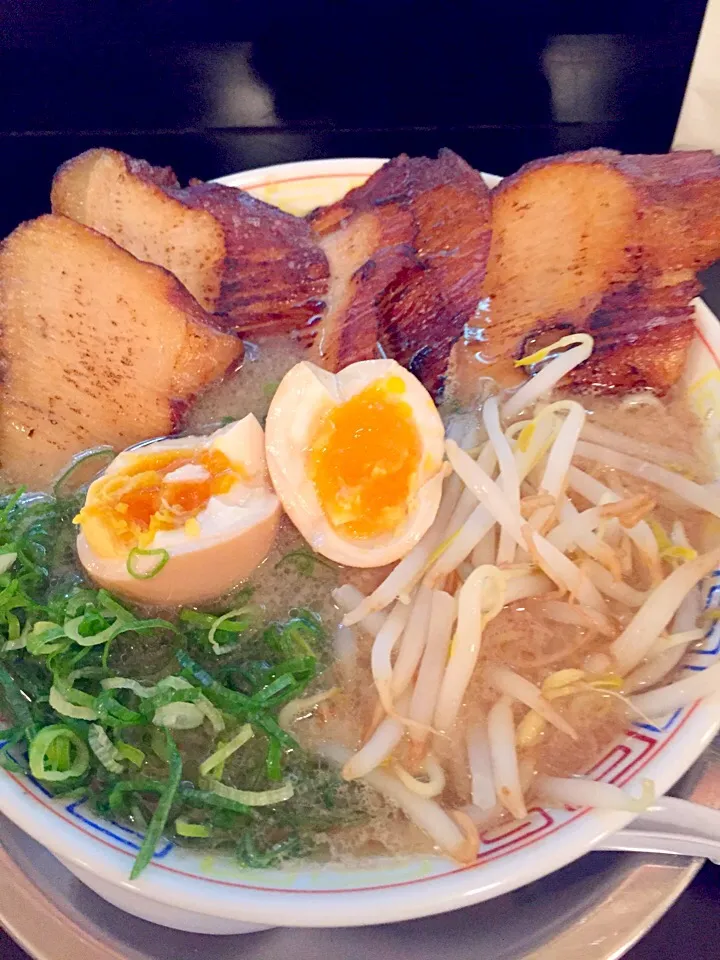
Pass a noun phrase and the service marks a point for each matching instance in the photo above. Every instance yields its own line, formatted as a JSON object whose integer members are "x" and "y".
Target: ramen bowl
{"x": 193, "y": 892}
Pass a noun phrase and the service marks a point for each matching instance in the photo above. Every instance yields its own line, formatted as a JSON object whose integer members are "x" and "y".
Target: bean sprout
{"x": 554, "y": 563}
{"x": 474, "y": 530}
{"x": 378, "y": 748}
{"x": 699, "y": 496}
{"x": 656, "y": 452}
{"x": 579, "y": 528}
{"x": 349, "y": 598}
{"x": 482, "y": 784}
{"x": 435, "y": 783}
{"x": 480, "y": 599}
{"x": 380, "y": 657}
{"x": 530, "y": 585}
{"x": 412, "y": 642}
{"x": 610, "y": 587}
{"x": 578, "y": 616}
{"x": 581, "y": 792}
{"x": 295, "y": 709}
{"x": 562, "y": 450}
{"x": 504, "y": 759}
{"x": 641, "y": 534}
{"x": 666, "y": 659}
{"x": 424, "y": 812}
{"x": 345, "y": 648}
{"x": 508, "y": 481}
{"x": 654, "y": 615}
{"x": 551, "y": 374}
{"x": 657, "y": 703}
{"x": 507, "y": 682}
{"x": 429, "y": 678}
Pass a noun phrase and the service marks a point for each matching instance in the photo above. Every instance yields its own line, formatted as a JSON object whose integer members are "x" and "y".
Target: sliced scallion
{"x": 104, "y": 749}
{"x": 127, "y": 683}
{"x": 251, "y": 798}
{"x": 162, "y": 810}
{"x": 131, "y": 565}
{"x": 60, "y": 704}
{"x": 132, "y": 754}
{"x": 220, "y": 756}
{"x": 49, "y": 739}
{"x": 211, "y": 712}
{"x": 219, "y": 648}
{"x": 185, "y": 828}
{"x": 178, "y": 716}
{"x": 46, "y": 638}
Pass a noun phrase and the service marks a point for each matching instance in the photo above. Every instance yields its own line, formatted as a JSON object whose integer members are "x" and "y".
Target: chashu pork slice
{"x": 407, "y": 251}
{"x": 96, "y": 347}
{"x": 600, "y": 243}
{"x": 259, "y": 269}
{"x": 367, "y": 237}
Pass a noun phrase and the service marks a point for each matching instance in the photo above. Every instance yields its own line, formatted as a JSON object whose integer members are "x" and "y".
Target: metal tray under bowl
{"x": 594, "y": 909}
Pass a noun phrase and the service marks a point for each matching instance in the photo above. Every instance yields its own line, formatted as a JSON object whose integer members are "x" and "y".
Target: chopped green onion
{"x": 18, "y": 703}
{"x": 116, "y": 797}
{"x": 72, "y": 629}
{"x": 63, "y": 706}
{"x": 304, "y": 561}
{"x": 184, "y": 828}
{"x": 104, "y": 749}
{"x": 64, "y": 687}
{"x": 162, "y": 810}
{"x": 174, "y": 683}
{"x": 6, "y": 561}
{"x": 132, "y": 754}
{"x": 110, "y": 606}
{"x": 131, "y": 566}
{"x": 127, "y": 683}
{"x": 273, "y": 760}
{"x": 211, "y": 712}
{"x": 251, "y": 798}
{"x": 178, "y": 716}
{"x": 207, "y": 798}
{"x": 157, "y": 743}
{"x": 46, "y": 638}
{"x": 220, "y": 756}
{"x": 112, "y": 713}
{"x": 223, "y": 648}
{"x": 41, "y": 746}
{"x": 17, "y": 636}
{"x": 272, "y": 689}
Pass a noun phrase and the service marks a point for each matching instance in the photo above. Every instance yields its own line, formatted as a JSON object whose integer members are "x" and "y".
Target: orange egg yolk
{"x": 364, "y": 460}
{"x": 127, "y": 508}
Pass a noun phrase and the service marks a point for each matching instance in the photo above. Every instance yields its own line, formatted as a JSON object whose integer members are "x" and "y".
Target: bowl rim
{"x": 379, "y": 902}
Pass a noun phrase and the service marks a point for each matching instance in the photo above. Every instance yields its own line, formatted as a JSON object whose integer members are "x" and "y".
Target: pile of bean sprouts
{"x": 522, "y": 516}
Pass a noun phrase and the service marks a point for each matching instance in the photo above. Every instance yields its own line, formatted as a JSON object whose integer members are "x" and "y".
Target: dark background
{"x": 220, "y": 87}
{"x": 216, "y": 87}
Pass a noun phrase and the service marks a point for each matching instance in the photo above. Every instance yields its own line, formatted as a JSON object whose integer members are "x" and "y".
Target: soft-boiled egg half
{"x": 180, "y": 520}
{"x": 356, "y": 459}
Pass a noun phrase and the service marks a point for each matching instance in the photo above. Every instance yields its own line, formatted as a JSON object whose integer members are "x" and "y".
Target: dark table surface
{"x": 215, "y": 88}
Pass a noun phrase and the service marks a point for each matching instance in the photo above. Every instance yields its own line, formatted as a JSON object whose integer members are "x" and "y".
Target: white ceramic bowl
{"x": 183, "y": 890}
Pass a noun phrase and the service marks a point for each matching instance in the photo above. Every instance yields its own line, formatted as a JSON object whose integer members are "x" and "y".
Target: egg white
{"x": 236, "y": 529}
{"x": 305, "y": 394}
